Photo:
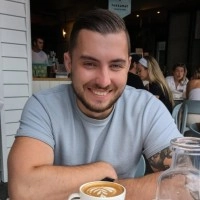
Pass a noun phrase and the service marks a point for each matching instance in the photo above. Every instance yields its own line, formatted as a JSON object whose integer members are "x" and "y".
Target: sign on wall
{"x": 121, "y": 7}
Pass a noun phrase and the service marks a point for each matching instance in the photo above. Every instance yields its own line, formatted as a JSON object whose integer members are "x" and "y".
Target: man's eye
{"x": 89, "y": 64}
{"x": 116, "y": 67}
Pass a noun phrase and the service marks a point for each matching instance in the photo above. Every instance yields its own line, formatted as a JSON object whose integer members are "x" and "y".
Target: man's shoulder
{"x": 34, "y": 52}
{"x": 135, "y": 101}
{"x": 43, "y": 53}
{"x": 131, "y": 94}
{"x": 62, "y": 89}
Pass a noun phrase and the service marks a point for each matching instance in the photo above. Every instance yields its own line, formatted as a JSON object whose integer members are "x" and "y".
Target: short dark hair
{"x": 196, "y": 73}
{"x": 35, "y": 38}
{"x": 99, "y": 20}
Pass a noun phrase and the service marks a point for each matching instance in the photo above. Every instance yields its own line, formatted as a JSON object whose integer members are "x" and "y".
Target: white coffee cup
{"x": 98, "y": 190}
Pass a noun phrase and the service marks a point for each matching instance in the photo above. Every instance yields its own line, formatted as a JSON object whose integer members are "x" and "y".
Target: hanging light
{"x": 64, "y": 33}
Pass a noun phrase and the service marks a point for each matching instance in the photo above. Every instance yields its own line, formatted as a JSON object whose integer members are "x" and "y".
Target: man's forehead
{"x": 40, "y": 41}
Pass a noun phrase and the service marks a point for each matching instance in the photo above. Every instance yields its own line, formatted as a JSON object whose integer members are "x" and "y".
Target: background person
{"x": 94, "y": 128}
{"x": 178, "y": 81}
{"x": 193, "y": 93}
{"x": 149, "y": 70}
{"x": 38, "y": 55}
{"x": 193, "y": 86}
{"x": 133, "y": 79}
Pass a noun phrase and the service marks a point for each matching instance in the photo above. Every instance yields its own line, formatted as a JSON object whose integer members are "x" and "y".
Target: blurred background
{"x": 168, "y": 29}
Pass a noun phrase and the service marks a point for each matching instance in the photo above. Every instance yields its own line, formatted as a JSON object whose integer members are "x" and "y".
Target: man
{"x": 134, "y": 80}
{"x": 38, "y": 55}
{"x": 95, "y": 128}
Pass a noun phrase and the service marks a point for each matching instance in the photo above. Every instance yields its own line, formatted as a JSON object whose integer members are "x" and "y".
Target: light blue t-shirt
{"x": 138, "y": 123}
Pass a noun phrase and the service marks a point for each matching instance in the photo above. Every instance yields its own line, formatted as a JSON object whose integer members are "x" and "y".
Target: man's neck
{"x": 36, "y": 50}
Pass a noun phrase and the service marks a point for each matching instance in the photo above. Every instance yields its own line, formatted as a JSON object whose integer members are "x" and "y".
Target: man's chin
{"x": 98, "y": 108}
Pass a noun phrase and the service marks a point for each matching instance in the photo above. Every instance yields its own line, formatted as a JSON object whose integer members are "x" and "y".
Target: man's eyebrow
{"x": 119, "y": 60}
{"x": 88, "y": 58}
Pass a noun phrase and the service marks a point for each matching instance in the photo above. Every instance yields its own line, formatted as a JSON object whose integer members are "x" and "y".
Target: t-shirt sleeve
{"x": 159, "y": 127}
{"x": 30, "y": 124}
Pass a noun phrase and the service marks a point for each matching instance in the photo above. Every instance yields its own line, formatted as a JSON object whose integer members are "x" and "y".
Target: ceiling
{"x": 51, "y": 16}
{"x": 73, "y": 5}
{"x": 68, "y": 9}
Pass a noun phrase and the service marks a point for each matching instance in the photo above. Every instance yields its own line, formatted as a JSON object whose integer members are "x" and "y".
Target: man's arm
{"x": 144, "y": 188}
{"x": 31, "y": 174}
{"x": 161, "y": 161}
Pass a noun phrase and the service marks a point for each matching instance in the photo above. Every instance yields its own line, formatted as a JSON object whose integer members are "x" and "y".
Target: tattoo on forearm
{"x": 159, "y": 161}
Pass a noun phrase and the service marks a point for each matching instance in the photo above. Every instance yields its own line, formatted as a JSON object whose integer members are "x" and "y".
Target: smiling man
{"x": 96, "y": 127}
{"x": 99, "y": 75}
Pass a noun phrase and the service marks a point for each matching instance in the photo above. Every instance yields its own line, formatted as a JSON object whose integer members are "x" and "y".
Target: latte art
{"x": 101, "y": 191}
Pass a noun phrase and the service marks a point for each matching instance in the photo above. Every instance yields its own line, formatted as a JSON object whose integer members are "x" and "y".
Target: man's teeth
{"x": 100, "y": 93}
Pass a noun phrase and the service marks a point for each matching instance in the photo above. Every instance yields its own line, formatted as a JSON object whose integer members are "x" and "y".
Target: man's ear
{"x": 67, "y": 62}
{"x": 129, "y": 62}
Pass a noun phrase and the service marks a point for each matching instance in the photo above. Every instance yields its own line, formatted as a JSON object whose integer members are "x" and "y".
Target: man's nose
{"x": 103, "y": 77}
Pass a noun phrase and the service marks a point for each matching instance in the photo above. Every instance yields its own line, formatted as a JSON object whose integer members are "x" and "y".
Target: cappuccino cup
{"x": 98, "y": 190}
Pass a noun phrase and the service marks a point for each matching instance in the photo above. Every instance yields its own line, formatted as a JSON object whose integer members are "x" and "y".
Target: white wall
{"x": 15, "y": 71}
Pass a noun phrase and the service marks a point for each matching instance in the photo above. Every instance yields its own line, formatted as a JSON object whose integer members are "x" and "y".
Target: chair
{"x": 195, "y": 129}
{"x": 141, "y": 168}
{"x": 189, "y": 107}
{"x": 176, "y": 114}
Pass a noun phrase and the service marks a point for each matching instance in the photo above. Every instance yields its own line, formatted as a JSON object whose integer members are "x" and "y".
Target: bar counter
{"x": 44, "y": 83}
{"x": 51, "y": 79}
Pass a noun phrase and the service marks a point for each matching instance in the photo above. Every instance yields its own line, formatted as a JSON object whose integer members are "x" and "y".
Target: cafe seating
{"x": 141, "y": 168}
{"x": 195, "y": 129}
{"x": 176, "y": 114}
{"x": 189, "y": 107}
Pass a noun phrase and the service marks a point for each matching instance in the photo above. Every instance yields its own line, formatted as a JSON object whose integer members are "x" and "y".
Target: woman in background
{"x": 149, "y": 70}
{"x": 178, "y": 82}
{"x": 193, "y": 86}
{"x": 193, "y": 93}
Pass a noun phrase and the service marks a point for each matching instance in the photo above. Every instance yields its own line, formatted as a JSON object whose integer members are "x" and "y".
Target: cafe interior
{"x": 169, "y": 30}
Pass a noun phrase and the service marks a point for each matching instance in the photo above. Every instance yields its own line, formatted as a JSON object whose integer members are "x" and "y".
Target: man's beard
{"x": 96, "y": 108}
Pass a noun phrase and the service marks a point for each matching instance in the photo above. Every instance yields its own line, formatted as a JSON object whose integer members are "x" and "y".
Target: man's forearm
{"x": 143, "y": 188}
{"x": 55, "y": 182}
